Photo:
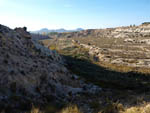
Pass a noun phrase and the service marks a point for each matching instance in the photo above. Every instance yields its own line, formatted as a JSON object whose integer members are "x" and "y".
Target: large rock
{"x": 23, "y": 32}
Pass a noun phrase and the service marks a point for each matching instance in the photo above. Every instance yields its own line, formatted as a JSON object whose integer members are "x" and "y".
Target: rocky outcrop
{"x": 32, "y": 73}
{"x": 23, "y": 32}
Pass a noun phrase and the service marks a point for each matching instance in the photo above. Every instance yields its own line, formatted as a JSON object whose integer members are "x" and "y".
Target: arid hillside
{"x": 31, "y": 74}
{"x": 116, "y": 59}
{"x": 127, "y": 46}
{"x": 142, "y": 30}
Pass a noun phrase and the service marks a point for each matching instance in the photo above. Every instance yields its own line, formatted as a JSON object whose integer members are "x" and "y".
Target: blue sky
{"x": 71, "y": 14}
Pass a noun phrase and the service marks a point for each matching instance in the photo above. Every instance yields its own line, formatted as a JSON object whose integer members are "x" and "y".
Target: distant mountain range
{"x": 45, "y": 30}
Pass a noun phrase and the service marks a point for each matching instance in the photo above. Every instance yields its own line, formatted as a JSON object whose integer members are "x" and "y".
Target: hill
{"x": 46, "y": 31}
{"x": 32, "y": 74}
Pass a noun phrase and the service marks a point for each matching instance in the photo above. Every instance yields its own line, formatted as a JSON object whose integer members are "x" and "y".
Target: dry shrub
{"x": 35, "y": 110}
{"x": 71, "y": 109}
{"x": 139, "y": 109}
{"x": 112, "y": 108}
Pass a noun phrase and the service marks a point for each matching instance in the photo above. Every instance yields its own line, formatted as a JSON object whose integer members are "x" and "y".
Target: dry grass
{"x": 110, "y": 108}
{"x": 118, "y": 108}
{"x": 140, "y": 109}
{"x": 113, "y": 108}
{"x": 124, "y": 68}
{"x": 69, "y": 109}
{"x": 35, "y": 110}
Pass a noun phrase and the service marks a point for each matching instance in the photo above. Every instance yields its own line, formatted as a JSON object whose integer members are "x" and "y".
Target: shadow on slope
{"x": 107, "y": 78}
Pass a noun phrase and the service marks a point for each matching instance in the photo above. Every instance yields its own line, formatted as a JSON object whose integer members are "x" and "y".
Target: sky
{"x": 72, "y": 14}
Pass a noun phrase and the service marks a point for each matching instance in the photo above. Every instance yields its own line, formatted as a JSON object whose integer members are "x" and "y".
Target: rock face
{"x": 29, "y": 71}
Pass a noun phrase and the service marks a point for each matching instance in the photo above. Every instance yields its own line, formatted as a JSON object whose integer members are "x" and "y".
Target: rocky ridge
{"x": 119, "y": 32}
